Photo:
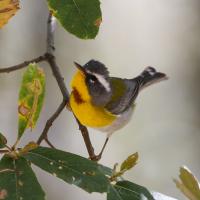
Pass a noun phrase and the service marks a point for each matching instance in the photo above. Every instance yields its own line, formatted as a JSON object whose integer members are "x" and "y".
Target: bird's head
{"x": 92, "y": 82}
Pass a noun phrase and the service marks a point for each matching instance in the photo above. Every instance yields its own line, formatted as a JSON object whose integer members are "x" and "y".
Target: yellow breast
{"x": 82, "y": 107}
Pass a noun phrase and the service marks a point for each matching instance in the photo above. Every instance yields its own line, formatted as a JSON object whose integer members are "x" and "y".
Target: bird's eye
{"x": 92, "y": 78}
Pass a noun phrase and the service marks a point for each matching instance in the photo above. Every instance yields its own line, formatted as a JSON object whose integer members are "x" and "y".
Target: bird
{"x": 103, "y": 102}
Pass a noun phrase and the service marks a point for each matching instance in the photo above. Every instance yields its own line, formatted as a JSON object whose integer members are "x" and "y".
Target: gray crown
{"x": 97, "y": 67}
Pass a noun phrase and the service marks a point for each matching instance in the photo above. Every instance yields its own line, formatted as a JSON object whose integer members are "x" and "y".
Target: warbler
{"x": 103, "y": 102}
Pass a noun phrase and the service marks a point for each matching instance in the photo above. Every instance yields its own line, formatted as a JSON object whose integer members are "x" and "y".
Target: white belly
{"x": 118, "y": 123}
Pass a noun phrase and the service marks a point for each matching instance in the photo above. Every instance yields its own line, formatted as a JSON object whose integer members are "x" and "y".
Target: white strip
{"x": 102, "y": 80}
{"x": 151, "y": 71}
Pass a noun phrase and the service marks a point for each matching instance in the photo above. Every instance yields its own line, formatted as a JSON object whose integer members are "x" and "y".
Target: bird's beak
{"x": 82, "y": 69}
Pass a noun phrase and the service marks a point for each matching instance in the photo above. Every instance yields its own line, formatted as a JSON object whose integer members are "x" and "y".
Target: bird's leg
{"x": 98, "y": 157}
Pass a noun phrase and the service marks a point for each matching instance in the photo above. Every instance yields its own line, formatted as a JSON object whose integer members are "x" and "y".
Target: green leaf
{"x": 189, "y": 185}
{"x": 71, "y": 168}
{"x": 125, "y": 190}
{"x": 105, "y": 170}
{"x": 3, "y": 141}
{"x": 31, "y": 97}
{"x": 130, "y": 162}
{"x": 18, "y": 181}
{"x": 79, "y": 17}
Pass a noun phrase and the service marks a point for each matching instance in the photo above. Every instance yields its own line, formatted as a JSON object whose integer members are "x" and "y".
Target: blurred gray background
{"x": 134, "y": 34}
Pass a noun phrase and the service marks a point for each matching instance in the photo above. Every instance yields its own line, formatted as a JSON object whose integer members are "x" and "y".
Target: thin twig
{"x": 22, "y": 65}
{"x": 4, "y": 151}
{"x": 56, "y": 72}
{"x": 49, "y": 143}
{"x": 51, "y": 25}
{"x": 50, "y": 121}
{"x": 98, "y": 157}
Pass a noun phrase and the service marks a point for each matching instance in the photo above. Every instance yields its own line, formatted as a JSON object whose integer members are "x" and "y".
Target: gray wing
{"x": 124, "y": 92}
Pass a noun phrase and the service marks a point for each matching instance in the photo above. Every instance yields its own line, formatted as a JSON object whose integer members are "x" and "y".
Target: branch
{"x": 60, "y": 80}
{"x": 50, "y": 58}
{"x": 50, "y": 121}
{"x": 22, "y": 65}
{"x": 56, "y": 72}
{"x": 86, "y": 137}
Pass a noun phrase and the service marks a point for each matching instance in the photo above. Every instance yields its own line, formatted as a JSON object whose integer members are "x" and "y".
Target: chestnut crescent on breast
{"x": 77, "y": 96}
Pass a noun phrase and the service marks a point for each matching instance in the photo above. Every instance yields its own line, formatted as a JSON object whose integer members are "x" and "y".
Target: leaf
{"x": 71, "y": 168}
{"x": 3, "y": 141}
{"x": 189, "y": 185}
{"x": 105, "y": 170}
{"x": 8, "y": 8}
{"x": 130, "y": 162}
{"x": 31, "y": 97}
{"x": 18, "y": 181}
{"x": 125, "y": 190}
{"x": 79, "y": 17}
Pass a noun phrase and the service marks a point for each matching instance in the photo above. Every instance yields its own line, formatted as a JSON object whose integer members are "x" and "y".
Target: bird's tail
{"x": 150, "y": 76}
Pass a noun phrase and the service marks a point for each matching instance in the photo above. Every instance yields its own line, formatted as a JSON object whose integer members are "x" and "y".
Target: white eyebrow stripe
{"x": 102, "y": 80}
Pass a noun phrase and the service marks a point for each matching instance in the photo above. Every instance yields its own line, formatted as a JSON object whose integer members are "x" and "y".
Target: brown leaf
{"x": 3, "y": 194}
{"x": 98, "y": 22}
{"x": 8, "y": 8}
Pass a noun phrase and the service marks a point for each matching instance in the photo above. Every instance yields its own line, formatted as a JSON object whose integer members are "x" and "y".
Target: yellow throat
{"x": 80, "y": 102}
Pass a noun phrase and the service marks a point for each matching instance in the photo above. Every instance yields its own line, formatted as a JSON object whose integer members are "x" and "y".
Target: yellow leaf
{"x": 130, "y": 162}
{"x": 8, "y": 8}
{"x": 127, "y": 164}
{"x": 189, "y": 185}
